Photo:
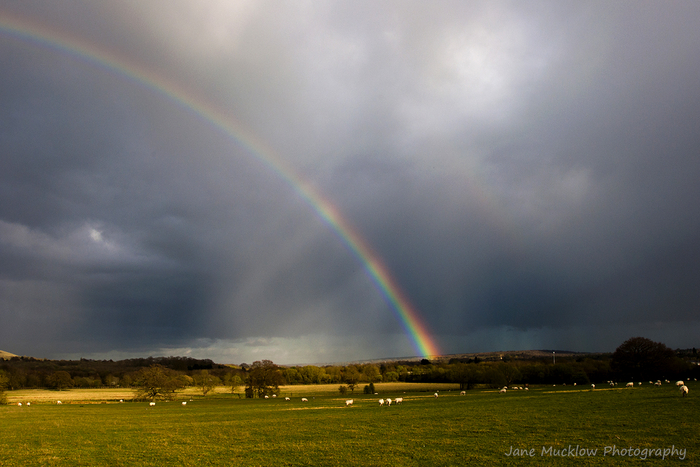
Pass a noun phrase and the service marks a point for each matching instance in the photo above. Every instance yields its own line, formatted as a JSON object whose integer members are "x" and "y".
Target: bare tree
{"x": 157, "y": 381}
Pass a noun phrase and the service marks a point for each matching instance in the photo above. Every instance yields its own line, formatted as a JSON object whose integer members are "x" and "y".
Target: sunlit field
{"x": 482, "y": 426}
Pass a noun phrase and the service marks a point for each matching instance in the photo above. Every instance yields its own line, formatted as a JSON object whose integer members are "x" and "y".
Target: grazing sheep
{"x": 527, "y": 388}
{"x": 388, "y": 402}
{"x": 348, "y": 402}
{"x": 152, "y": 404}
{"x": 684, "y": 390}
{"x": 592, "y": 386}
{"x": 629, "y": 385}
{"x": 59, "y": 402}
{"x": 679, "y": 383}
{"x": 184, "y": 402}
{"x": 274, "y": 395}
{"x": 287, "y": 399}
{"x": 28, "y": 404}
{"x": 121, "y": 401}
{"x": 658, "y": 383}
{"x": 463, "y": 393}
{"x": 502, "y": 391}
{"x": 266, "y": 397}
{"x": 612, "y": 385}
{"x": 398, "y": 400}
{"x": 304, "y": 399}
{"x": 19, "y": 404}
{"x": 436, "y": 394}
{"x": 381, "y": 402}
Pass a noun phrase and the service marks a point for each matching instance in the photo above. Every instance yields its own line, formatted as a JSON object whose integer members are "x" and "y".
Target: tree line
{"x": 637, "y": 359}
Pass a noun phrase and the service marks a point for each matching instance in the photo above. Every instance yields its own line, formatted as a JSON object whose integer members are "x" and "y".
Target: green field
{"x": 479, "y": 427}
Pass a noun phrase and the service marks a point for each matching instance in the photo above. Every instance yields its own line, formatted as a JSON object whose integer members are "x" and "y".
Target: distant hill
{"x": 6, "y": 355}
{"x": 517, "y": 355}
{"x": 482, "y": 356}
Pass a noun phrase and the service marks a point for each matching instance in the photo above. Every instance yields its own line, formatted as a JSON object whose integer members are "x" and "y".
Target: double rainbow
{"x": 61, "y": 41}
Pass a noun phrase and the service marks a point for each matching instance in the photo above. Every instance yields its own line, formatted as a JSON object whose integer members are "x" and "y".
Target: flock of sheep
{"x": 680, "y": 384}
{"x": 398, "y": 400}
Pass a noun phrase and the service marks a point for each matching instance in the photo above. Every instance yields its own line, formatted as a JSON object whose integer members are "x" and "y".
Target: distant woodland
{"x": 637, "y": 359}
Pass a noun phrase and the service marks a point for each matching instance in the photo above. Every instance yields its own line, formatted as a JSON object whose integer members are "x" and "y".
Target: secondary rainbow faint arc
{"x": 45, "y": 36}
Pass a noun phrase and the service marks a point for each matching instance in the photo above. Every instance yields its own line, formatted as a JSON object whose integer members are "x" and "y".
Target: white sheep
{"x": 348, "y": 402}
{"x": 658, "y": 383}
{"x": 381, "y": 402}
{"x": 592, "y": 386}
{"x": 59, "y": 402}
{"x": 398, "y": 400}
{"x": 502, "y": 391}
{"x": 28, "y": 404}
{"x": 629, "y": 385}
{"x": 287, "y": 399}
{"x": 266, "y": 397}
{"x": 19, "y": 404}
{"x": 684, "y": 390}
{"x": 463, "y": 393}
{"x": 388, "y": 402}
{"x": 121, "y": 401}
{"x": 679, "y": 383}
{"x": 527, "y": 388}
{"x": 436, "y": 394}
{"x": 274, "y": 395}
{"x": 184, "y": 402}
{"x": 152, "y": 404}
{"x": 304, "y": 399}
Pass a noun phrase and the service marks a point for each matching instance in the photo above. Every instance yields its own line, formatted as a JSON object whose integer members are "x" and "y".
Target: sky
{"x": 248, "y": 180}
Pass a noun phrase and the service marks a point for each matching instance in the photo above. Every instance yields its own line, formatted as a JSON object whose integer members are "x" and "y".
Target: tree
{"x": 639, "y": 358}
{"x": 343, "y": 389}
{"x": 206, "y": 382}
{"x": 372, "y": 373}
{"x": 157, "y": 381}
{"x": 467, "y": 375}
{"x": 234, "y": 381}
{"x": 509, "y": 371}
{"x": 59, "y": 380}
{"x": 4, "y": 383}
{"x": 264, "y": 379}
{"x": 351, "y": 378}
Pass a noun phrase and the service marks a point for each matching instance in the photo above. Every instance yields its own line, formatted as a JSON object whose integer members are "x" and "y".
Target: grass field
{"x": 478, "y": 428}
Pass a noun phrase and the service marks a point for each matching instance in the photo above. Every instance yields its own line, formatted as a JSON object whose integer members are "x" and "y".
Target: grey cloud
{"x": 525, "y": 172}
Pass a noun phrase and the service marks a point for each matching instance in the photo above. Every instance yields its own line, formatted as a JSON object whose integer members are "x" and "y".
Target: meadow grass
{"x": 480, "y": 427}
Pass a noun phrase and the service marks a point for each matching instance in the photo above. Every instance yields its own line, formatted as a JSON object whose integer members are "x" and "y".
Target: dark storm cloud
{"x": 527, "y": 172}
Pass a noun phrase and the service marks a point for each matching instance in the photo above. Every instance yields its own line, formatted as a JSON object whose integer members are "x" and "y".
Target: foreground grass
{"x": 424, "y": 431}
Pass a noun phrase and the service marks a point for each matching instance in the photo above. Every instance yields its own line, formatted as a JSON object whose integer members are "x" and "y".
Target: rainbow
{"x": 51, "y": 38}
